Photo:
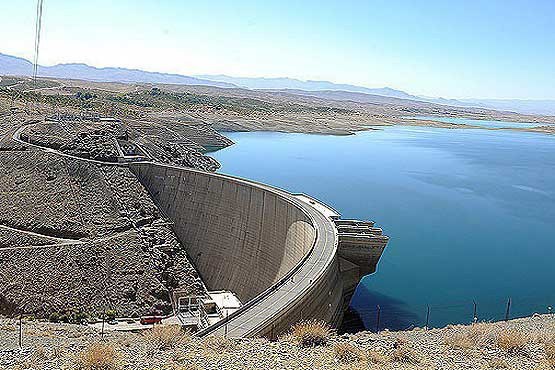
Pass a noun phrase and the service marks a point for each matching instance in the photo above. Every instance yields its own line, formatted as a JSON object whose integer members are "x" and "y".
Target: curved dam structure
{"x": 286, "y": 257}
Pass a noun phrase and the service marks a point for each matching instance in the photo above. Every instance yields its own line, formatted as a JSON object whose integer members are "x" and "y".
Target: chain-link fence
{"x": 382, "y": 315}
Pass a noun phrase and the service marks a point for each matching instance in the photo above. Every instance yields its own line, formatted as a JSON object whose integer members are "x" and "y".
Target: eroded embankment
{"x": 81, "y": 236}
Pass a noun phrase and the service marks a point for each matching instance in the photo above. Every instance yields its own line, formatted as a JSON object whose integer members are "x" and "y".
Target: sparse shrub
{"x": 167, "y": 336}
{"x": 477, "y": 335}
{"x": 98, "y": 356}
{"x": 188, "y": 367}
{"x": 376, "y": 357}
{"x": 310, "y": 333}
{"x": 68, "y": 317}
{"x": 550, "y": 354}
{"x": 345, "y": 352}
{"x": 40, "y": 353}
{"x": 54, "y": 317}
{"x": 498, "y": 363}
{"x": 218, "y": 344}
{"x": 460, "y": 340}
{"x": 111, "y": 314}
{"x": 403, "y": 352}
{"x": 512, "y": 341}
{"x": 80, "y": 317}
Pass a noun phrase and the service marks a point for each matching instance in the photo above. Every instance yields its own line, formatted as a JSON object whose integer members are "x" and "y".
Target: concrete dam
{"x": 287, "y": 257}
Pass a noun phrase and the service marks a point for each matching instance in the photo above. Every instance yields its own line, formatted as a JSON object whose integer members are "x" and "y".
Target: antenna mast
{"x": 38, "y": 26}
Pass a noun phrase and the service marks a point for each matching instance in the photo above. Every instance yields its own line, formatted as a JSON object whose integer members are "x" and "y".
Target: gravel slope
{"x": 55, "y": 346}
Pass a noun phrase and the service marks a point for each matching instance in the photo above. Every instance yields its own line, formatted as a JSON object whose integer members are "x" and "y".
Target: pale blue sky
{"x": 455, "y": 49}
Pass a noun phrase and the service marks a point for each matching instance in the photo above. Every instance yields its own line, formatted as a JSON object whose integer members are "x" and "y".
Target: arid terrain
{"x": 522, "y": 344}
{"x": 78, "y": 233}
{"x": 234, "y": 109}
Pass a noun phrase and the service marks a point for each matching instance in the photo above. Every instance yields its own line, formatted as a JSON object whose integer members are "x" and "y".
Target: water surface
{"x": 470, "y": 213}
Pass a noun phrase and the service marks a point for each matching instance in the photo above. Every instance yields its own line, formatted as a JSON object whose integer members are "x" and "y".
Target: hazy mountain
{"x": 335, "y": 91}
{"x": 546, "y": 107}
{"x": 291, "y": 83}
{"x": 10, "y": 65}
{"x": 348, "y": 96}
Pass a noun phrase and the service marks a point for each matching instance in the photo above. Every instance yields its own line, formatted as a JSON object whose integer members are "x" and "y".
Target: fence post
{"x": 103, "y": 319}
{"x": 20, "y": 331}
{"x": 427, "y": 317}
{"x": 378, "y": 319}
{"x": 475, "y": 312}
{"x": 508, "y": 311}
{"x": 225, "y": 329}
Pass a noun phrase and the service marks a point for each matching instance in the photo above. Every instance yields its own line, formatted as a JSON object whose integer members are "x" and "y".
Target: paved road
{"x": 17, "y": 137}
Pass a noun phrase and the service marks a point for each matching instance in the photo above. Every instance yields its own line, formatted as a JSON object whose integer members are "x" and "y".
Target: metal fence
{"x": 395, "y": 317}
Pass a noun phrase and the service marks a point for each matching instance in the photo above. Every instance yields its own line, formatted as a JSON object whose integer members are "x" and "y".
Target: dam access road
{"x": 281, "y": 254}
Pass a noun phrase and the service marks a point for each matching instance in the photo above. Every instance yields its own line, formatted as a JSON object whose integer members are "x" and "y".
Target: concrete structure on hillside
{"x": 286, "y": 257}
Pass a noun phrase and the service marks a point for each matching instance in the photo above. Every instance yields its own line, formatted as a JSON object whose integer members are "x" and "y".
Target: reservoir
{"x": 470, "y": 214}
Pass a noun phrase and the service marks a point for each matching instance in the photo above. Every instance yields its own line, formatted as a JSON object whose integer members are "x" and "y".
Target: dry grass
{"x": 460, "y": 341}
{"x": 167, "y": 336}
{"x": 347, "y": 353}
{"x": 404, "y": 353}
{"x": 483, "y": 335}
{"x": 550, "y": 354}
{"x": 376, "y": 357}
{"x": 218, "y": 344}
{"x": 311, "y": 333}
{"x": 98, "y": 356}
{"x": 497, "y": 363}
{"x": 512, "y": 341}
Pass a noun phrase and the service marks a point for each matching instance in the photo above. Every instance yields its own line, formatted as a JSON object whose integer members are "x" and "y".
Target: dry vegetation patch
{"x": 98, "y": 356}
{"x": 550, "y": 354}
{"x": 218, "y": 344}
{"x": 311, "y": 333}
{"x": 375, "y": 357}
{"x": 347, "y": 353}
{"x": 498, "y": 363}
{"x": 512, "y": 341}
{"x": 404, "y": 353}
{"x": 167, "y": 336}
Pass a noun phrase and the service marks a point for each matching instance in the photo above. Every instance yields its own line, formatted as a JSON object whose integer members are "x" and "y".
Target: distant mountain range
{"x": 291, "y": 83}
{"x": 11, "y": 65}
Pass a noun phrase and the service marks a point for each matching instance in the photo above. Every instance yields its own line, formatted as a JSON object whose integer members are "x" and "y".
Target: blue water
{"x": 480, "y": 123}
{"x": 470, "y": 213}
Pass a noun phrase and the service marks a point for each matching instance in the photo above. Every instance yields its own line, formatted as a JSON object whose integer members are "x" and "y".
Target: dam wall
{"x": 241, "y": 237}
{"x": 278, "y": 252}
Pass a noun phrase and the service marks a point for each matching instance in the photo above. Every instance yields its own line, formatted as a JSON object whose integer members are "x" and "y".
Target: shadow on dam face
{"x": 240, "y": 237}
